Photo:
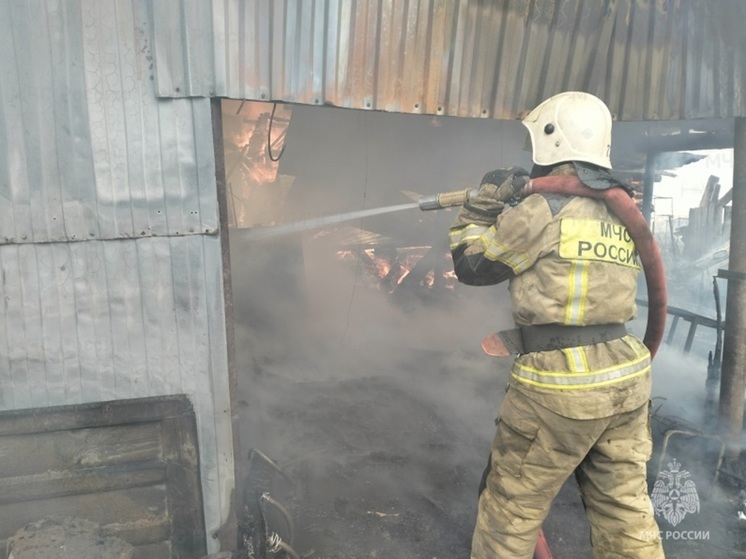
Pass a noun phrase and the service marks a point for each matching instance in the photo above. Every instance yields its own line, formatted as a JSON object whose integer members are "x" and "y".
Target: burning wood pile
{"x": 388, "y": 268}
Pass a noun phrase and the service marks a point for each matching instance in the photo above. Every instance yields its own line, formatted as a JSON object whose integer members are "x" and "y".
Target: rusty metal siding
{"x": 110, "y": 256}
{"x": 648, "y": 59}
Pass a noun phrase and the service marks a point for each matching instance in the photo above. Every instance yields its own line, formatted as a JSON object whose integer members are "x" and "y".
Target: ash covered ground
{"x": 377, "y": 406}
{"x": 378, "y": 470}
{"x": 385, "y": 466}
{"x": 378, "y": 466}
{"x": 378, "y": 409}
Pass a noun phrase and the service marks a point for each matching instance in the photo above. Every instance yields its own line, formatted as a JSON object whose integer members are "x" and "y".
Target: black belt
{"x": 528, "y": 339}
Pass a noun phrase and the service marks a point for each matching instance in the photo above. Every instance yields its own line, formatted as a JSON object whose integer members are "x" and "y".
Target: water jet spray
{"x": 257, "y": 233}
{"x": 428, "y": 202}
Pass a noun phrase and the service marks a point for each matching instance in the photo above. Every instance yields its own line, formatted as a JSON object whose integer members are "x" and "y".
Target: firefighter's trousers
{"x": 536, "y": 450}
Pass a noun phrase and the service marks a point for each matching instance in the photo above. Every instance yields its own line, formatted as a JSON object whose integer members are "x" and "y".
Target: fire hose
{"x": 623, "y": 206}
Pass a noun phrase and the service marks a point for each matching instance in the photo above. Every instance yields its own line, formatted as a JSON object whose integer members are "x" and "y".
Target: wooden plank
{"x": 79, "y": 449}
{"x": 672, "y": 330}
{"x": 150, "y": 537}
{"x": 726, "y": 199}
{"x": 101, "y": 414}
{"x": 131, "y": 466}
{"x": 184, "y": 499}
{"x": 147, "y": 531}
{"x": 51, "y": 485}
{"x": 114, "y": 507}
{"x": 692, "y": 244}
{"x": 160, "y": 550}
{"x": 711, "y": 191}
{"x": 691, "y": 316}
{"x": 690, "y": 336}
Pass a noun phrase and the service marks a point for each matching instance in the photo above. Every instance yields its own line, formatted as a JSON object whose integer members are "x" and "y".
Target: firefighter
{"x": 578, "y": 396}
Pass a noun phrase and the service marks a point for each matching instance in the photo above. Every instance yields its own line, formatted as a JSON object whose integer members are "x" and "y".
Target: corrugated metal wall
{"x": 648, "y": 59}
{"x": 109, "y": 249}
{"x": 92, "y": 153}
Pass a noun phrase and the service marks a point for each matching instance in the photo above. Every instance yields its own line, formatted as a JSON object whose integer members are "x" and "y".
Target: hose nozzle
{"x": 446, "y": 199}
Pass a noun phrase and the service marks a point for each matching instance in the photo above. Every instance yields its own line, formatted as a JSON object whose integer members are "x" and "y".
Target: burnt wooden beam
{"x": 733, "y": 375}
{"x": 100, "y": 414}
{"x": 131, "y": 466}
{"x": 183, "y": 495}
{"x": 52, "y": 485}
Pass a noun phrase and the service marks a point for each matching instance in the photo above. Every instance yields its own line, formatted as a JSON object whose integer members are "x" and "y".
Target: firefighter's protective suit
{"x": 579, "y": 408}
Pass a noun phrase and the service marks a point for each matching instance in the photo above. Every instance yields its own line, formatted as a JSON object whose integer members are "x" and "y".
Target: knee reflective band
{"x": 623, "y": 206}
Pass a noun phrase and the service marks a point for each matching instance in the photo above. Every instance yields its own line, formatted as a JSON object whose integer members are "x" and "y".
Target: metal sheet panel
{"x": 46, "y": 174}
{"x": 109, "y": 249}
{"x": 107, "y": 320}
{"x": 86, "y": 149}
{"x": 649, "y": 60}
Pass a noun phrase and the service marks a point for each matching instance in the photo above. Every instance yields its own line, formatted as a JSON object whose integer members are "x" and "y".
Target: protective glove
{"x": 504, "y": 184}
{"x": 497, "y": 188}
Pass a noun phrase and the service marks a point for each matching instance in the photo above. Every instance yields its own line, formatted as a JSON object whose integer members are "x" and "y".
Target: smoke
{"x": 303, "y": 315}
{"x": 679, "y": 384}
{"x": 373, "y": 396}
{"x": 298, "y": 301}
{"x": 379, "y": 405}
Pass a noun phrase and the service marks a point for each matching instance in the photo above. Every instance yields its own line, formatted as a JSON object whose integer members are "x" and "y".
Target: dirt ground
{"x": 388, "y": 465}
{"x": 385, "y": 466}
{"x": 376, "y": 411}
{"x": 711, "y": 526}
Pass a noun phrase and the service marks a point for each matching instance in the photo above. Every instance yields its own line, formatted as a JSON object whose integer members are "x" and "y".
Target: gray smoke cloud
{"x": 375, "y": 399}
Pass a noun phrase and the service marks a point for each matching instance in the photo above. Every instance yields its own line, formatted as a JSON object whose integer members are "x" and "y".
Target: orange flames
{"x": 387, "y": 269}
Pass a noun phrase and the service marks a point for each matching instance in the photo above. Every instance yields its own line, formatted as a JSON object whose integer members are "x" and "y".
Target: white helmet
{"x": 570, "y": 126}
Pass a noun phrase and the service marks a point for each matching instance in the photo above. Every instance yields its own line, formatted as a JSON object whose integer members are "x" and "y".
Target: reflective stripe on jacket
{"x": 581, "y": 375}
